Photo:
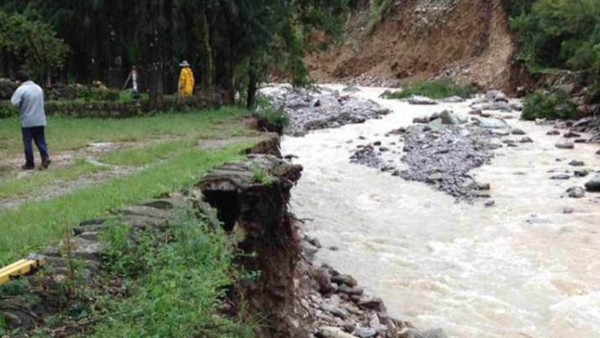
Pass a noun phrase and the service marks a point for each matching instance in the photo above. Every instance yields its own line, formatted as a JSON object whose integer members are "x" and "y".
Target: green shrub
{"x": 551, "y": 105}
{"x": 118, "y": 109}
{"x": 379, "y": 9}
{"x": 274, "y": 115}
{"x": 559, "y": 34}
{"x": 7, "y": 110}
{"x": 261, "y": 176}
{"x": 434, "y": 89}
{"x": 180, "y": 294}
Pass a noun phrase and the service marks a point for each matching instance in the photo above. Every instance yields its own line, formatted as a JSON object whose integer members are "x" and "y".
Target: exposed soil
{"x": 466, "y": 39}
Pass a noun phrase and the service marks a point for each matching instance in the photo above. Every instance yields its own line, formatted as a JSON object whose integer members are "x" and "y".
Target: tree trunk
{"x": 252, "y": 85}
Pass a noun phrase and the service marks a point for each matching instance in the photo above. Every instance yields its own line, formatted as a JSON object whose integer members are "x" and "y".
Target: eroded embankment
{"x": 289, "y": 295}
{"x": 464, "y": 39}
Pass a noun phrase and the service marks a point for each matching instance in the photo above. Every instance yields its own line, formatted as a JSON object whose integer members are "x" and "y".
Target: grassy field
{"x": 167, "y": 156}
{"x": 67, "y": 133}
{"x": 16, "y": 187}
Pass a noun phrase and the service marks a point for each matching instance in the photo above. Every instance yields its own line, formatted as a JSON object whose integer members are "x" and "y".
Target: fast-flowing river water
{"x": 522, "y": 268}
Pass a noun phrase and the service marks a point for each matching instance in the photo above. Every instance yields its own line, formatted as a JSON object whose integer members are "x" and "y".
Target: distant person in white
{"x": 134, "y": 79}
{"x": 29, "y": 97}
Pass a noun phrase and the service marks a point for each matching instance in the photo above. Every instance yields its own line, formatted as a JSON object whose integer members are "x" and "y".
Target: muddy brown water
{"x": 522, "y": 268}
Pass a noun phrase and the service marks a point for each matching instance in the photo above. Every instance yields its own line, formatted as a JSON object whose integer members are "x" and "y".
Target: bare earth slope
{"x": 465, "y": 39}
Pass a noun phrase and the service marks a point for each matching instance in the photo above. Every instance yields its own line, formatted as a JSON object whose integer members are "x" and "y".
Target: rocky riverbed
{"x": 524, "y": 267}
{"x": 441, "y": 149}
{"x": 313, "y": 109}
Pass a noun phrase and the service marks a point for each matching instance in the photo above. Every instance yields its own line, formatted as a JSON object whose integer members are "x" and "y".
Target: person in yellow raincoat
{"x": 186, "y": 80}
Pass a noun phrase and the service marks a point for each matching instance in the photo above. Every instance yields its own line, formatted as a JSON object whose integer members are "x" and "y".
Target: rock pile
{"x": 440, "y": 150}
{"x": 314, "y": 109}
{"x": 496, "y": 100}
{"x": 444, "y": 158}
{"x": 343, "y": 309}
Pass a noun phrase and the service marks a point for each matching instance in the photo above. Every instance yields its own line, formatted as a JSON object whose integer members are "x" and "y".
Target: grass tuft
{"x": 179, "y": 293}
{"x": 434, "y": 89}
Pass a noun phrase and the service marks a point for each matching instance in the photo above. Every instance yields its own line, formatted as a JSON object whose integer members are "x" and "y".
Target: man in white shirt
{"x": 29, "y": 97}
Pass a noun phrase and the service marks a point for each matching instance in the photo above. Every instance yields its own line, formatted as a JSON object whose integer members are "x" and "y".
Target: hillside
{"x": 465, "y": 39}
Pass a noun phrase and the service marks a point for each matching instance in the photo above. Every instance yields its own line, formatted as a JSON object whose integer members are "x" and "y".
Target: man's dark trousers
{"x": 37, "y": 135}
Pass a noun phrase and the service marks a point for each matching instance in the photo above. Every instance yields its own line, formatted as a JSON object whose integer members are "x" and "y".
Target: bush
{"x": 81, "y": 93}
{"x": 379, "y": 9}
{"x": 560, "y": 34}
{"x": 184, "y": 283}
{"x": 116, "y": 109}
{"x": 7, "y": 110}
{"x": 275, "y": 116}
{"x": 435, "y": 89}
{"x": 551, "y": 105}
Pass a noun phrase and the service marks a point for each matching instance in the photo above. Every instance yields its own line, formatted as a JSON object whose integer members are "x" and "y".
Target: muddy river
{"x": 522, "y": 268}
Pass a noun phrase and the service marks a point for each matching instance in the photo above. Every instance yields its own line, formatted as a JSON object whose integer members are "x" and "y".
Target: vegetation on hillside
{"x": 560, "y": 34}
{"x": 555, "y": 104}
{"x": 434, "y": 89}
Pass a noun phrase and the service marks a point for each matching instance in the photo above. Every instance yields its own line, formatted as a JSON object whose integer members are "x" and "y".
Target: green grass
{"x": 33, "y": 226}
{"x": 16, "y": 187}
{"x": 434, "y": 89}
{"x": 379, "y": 9}
{"x": 180, "y": 288}
{"x": 147, "y": 154}
{"x": 67, "y": 133}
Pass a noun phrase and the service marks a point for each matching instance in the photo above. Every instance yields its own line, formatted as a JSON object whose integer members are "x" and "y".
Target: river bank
{"x": 521, "y": 268}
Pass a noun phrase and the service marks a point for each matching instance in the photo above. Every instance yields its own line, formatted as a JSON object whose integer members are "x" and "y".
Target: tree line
{"x": 560, "y": 35}
{"x": 232, "y": 44}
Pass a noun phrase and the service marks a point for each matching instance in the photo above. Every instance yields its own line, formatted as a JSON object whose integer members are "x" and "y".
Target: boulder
{"x": 492, "y": 94}
{"x": 412, "y": 333}
{"x": 553, "y": 133}
{"x": 453, "y": 99}
{"x": 576, "y": 192}
{"x": 593, "y": 185}
{"x": 516, "y": 106}
{"x": 575, "y": 163}
{"x": 421, "y": 100}
{"x": 450, "y": 118}
{"x": 421, "y": 120}
{"x": 333, "y": 332}
{"x": 344, "y": 279}
{"x": 571, "y": 134}
{"x": 565, "y": 145}
{"x": 517, "y": 131}
{"x": 526, "y": 140}
{"x": 492, "y": 123}
{"x": 365, "y": 332}
{"x": 435, "y": 125}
